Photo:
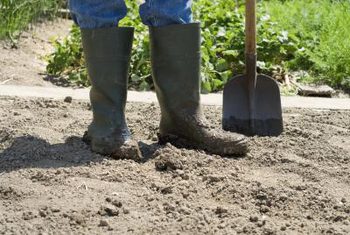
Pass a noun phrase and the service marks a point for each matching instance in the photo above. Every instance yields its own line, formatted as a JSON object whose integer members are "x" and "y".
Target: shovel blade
{"x": 266, "y": 119}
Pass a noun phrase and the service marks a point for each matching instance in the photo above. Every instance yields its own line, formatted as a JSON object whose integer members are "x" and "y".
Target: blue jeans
{"x": 92, "y": 14}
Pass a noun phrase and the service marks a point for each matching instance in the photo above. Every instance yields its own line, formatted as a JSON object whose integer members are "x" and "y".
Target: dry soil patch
{"x": 50, "y": 182}
{"x": 25, "y": 64}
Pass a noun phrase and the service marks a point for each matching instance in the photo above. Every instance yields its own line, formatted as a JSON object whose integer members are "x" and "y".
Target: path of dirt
{"x": 25, "y": 63}
{"x": 50, "y": 182}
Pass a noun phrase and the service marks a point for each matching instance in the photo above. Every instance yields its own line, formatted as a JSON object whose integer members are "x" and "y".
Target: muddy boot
{"x": 175, "y": 55}
{"x": 107, "y": 54}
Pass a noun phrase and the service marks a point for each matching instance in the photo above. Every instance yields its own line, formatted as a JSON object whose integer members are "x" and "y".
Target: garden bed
{"x": 50, "y": 182}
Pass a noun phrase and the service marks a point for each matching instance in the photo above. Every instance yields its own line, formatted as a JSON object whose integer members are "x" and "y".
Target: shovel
{"x": 252, "y": 102}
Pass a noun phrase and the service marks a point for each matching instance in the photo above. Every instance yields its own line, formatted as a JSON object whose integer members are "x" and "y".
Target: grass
{"x": 322, "y": 29}
{"x": 16, "y": 15}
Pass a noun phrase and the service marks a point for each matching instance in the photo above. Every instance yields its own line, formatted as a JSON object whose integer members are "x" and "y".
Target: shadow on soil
{"x": 58, "y": 81}
{"x": 33, "y": 152}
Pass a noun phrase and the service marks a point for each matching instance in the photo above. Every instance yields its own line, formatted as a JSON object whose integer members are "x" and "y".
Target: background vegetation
{"x": 321, "y": 29}
{"x": 304, "y": 40}
{"x": 16, "y": 15}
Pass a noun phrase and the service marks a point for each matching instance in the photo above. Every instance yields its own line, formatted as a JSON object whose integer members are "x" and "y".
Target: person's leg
{"x": 166, "y": 12}
{"x": 176, "y": 60}
{"x": 92, "y": 14}
{"x": 107, "y": 51}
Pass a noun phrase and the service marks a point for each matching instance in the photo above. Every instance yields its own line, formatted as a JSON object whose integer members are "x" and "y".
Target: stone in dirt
{"x": 315, "y": 90}
{"x": 108, "y": 211}
{"x": 104, "y": 223}
{"x": 68, "y": 99}
{"x": 117, "y": 203}
{"x": 220, "y": 210}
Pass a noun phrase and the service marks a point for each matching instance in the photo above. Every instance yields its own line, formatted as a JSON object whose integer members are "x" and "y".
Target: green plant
{"x": 140, "y": 69}
{"x": 223, "y": 42}
{"x": 310, "y": 35}
{"x": 67, "y": 61}
{"x": 331, "y": 57}
{"x": 321, "y": 29}
{"x": 17, "y": 14}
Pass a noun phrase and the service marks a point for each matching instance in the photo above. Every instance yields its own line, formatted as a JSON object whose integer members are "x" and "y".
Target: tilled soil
{"x": 51, "y": 183}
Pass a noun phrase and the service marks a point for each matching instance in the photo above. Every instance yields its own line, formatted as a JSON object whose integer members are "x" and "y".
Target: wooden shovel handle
{"x": 250, "y": 27}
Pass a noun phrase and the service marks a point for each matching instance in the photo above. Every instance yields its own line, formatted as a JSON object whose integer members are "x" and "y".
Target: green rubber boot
{"x": 175, "y": 56}
{"x": 107, "y": 53}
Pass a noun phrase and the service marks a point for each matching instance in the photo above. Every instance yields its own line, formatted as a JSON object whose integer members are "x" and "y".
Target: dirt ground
{"x": 24, "y": 63}
{"x": 51, "y": 183}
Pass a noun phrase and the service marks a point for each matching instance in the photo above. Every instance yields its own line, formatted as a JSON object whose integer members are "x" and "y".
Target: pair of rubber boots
{"x": 175, "y": 56}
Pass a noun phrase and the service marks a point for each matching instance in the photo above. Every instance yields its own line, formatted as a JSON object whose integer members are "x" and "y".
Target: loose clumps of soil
{"x": 51, "y": 183}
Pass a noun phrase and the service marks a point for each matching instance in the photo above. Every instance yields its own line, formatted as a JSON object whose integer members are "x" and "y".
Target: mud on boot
{"x": 114, "y": 147}
{"x": 107, "y": 53}
{"x": 197, "y": 134}
{"x": 175, "y": 57}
